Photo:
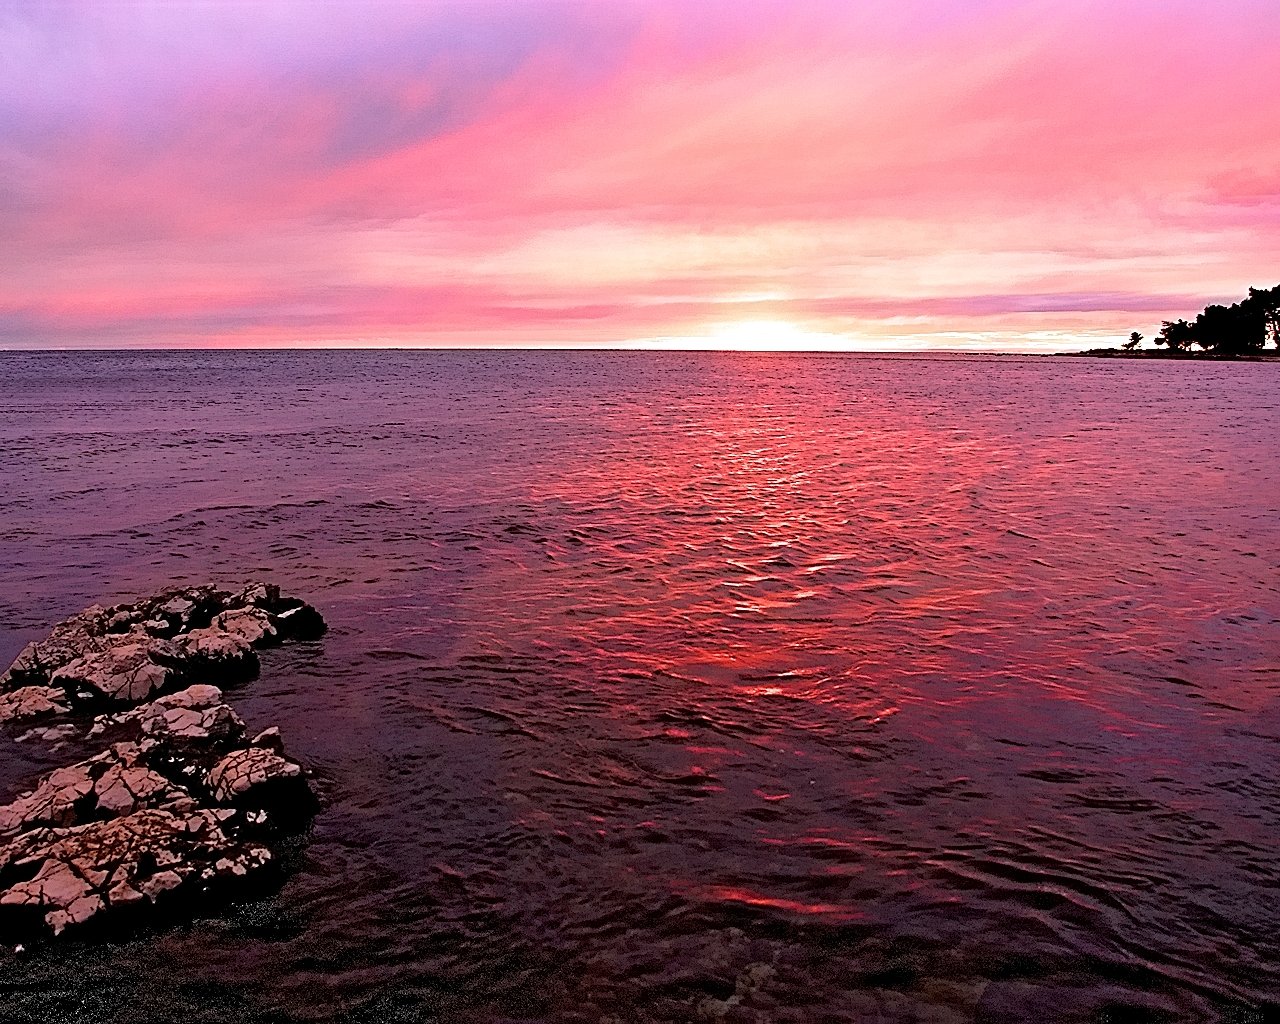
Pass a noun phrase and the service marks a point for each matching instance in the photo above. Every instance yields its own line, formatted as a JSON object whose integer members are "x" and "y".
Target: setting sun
{"x": 759, "y": 336}
{"x": 774, "y": 336}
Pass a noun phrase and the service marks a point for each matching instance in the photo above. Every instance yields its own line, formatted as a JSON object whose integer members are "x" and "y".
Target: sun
{"x": 772, "y": 336}
{"x": 756, "y": 336}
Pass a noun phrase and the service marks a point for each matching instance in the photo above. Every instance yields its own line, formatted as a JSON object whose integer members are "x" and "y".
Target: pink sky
{"x": 987, "y": 174}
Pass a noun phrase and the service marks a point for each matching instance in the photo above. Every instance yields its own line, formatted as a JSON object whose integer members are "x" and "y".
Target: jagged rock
{"x": 74, "y": 874}
{"x": 51, "y": 803}
{"x": 299, "y": 622}
{"x": 181, "y": 735}
{"x": 177, "y": 608}
{"x": 254, "y": 775}
{"x": 258, "y": 595}
{"x": 110, "y": 784}
{"x": 252, "y": 625}
{"x": 68, "y": 640}
{"x": 214, "y": 653}
{"x": 31, "y": 702}
{"x": 121, "y": 621}
{"x": 269, "y": 739}
{"x": 127, "y": 670}
{"x": 196, "y": 715}
{"x": 126, "y": 787}
{"x": 129, "y": 653}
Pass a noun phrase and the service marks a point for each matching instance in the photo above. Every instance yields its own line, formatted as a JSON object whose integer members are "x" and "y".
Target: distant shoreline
{"x": 1212, "y": 357}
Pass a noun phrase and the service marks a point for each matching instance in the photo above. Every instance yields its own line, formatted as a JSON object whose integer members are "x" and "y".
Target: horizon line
{"x": 624, "y": 349}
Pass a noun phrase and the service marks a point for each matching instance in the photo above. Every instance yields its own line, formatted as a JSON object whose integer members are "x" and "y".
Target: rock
{"x": 130, "y": 652}
{"x": 121, "y": 621}
{"x": 254, "y": 776}
{"x": 195, "y": 715}
{"x": 68, "y": 640}
{"x": 177, "y": 609}
{"x": 125, "y": 671}
{"x": 125, "y": 788}
{"x": 31, "y": 702}
{"x": 53, "y": 734}
{"x": 214, "y": 653}
{"x": 202, "y": 695}
{"x": 113, "y": 783}
{"x": 258, "y": 595}
{"x": 269, "y": 739}
{"x": 181, "y": 735}
{"x": 175, "y": 803}
{"x": 61, "y": 892}
{"x": 75, "y": 874}
{"x": 253, "y": 625}
{"x": 53, "y": 802}
{"x": 301, "y": 622}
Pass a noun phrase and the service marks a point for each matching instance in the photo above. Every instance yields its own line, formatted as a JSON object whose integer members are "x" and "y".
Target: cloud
{"x": 545, "y": 171}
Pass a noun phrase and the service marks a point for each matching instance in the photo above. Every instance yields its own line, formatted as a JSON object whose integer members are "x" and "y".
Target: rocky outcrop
{"x": 180, "y": 802}
{"x": 74, "y": 874}
{"x": 115, "y": 782}
{"x": 132, "y": 652}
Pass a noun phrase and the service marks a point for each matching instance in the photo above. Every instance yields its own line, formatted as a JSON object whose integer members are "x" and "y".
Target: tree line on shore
{"x": 1239, "y": 329}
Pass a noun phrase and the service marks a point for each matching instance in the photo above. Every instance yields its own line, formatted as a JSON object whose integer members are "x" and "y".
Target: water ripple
{"x": 677, "y": 687}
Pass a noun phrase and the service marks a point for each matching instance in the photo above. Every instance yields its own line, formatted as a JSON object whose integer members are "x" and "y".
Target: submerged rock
{"x": 180, "y": 800}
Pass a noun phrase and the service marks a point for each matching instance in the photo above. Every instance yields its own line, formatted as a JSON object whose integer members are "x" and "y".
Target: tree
{"x": 1239, "y": 329}
{"x": 1177, "y": 334}
{"x": 1230, "y": 330}
{"x": 1135, "y": 339}
{"x": 1266, "y": 301}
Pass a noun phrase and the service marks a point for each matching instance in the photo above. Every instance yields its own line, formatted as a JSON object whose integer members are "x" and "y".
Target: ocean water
{"x": 684, "y": 687}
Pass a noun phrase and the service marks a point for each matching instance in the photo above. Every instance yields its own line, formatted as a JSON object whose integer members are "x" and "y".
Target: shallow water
{"x": 664, "y": 686}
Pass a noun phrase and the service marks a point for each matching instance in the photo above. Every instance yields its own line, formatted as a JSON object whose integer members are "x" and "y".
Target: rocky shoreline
{"x": 180, "y": 804}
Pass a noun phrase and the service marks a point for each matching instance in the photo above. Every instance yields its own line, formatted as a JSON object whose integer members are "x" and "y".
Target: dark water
{"x": 851, "y": 688}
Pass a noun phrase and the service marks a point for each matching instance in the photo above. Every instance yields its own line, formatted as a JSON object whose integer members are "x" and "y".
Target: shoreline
{"x": 1272, "y": 356}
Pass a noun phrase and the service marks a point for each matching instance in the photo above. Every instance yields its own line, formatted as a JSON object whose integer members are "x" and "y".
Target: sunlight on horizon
{"x": 760, "y": 336}
{"x": 775, "y": 336}
{"x": 789, "y": 336}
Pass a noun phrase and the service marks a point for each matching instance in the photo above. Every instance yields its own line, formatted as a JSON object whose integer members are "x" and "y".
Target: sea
{"x": 669, "y": 686}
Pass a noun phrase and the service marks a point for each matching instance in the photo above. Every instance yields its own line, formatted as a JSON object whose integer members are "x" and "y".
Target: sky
{"x": 810, "y": 174}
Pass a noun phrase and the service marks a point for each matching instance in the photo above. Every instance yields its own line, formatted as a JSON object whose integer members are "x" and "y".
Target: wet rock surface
{"x": 180, "y": 802}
